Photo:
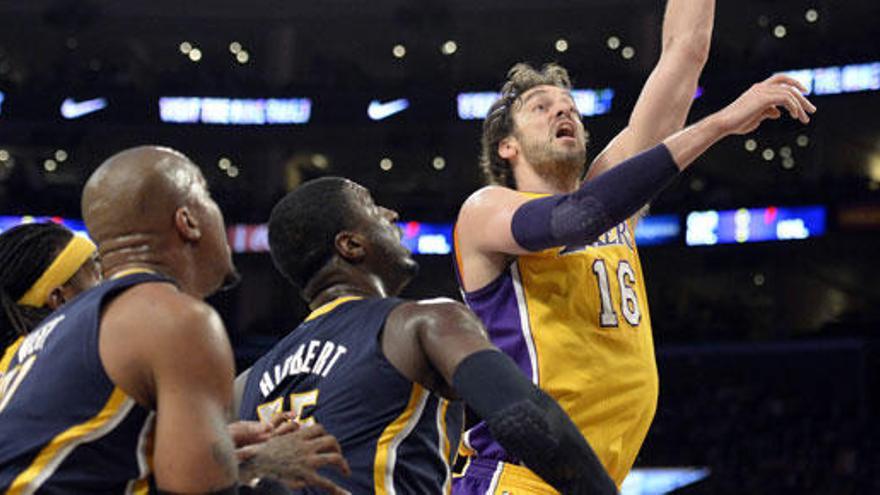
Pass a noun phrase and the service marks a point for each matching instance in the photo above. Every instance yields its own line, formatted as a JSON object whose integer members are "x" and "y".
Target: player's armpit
{"x": 238, "y": 392}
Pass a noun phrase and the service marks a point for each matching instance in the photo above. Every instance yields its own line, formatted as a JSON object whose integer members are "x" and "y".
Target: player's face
{"x": 550, "y": 133}
{"x": 219, "y": 269}
{"x": 393, "y": 261}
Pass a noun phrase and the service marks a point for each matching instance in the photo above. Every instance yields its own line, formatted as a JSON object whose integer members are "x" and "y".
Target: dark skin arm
{"x": 427, "y": 340}
{"x": 177, "y": 362}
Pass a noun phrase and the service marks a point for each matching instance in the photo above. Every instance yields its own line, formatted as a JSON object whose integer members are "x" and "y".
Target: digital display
{"x": 427, "y": 238}
{"x": 659, "y": 481}
{"x": 837, "y": 80}
{"x": 2, "y": 97}
{"x": 8, "y": 222}
{"x": 418, "y": 237}
{"x": 706, "y": 228}
{"x": 653, "y": 230}
{"x": 590, "y": 102}
{"x": 234, "y": 111}
{"x": 248, "y": 238}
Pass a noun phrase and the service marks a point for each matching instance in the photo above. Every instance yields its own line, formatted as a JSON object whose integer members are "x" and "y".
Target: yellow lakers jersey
{"x": 576, "y": 321}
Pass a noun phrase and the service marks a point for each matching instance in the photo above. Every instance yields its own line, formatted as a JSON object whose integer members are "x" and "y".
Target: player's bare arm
{"x": 448, "y": 351}
{"x": 496, "y": 222}
{"x": 665, "y": 99}
{"x": 179, "y": 363}
{"x": 764, "y": 100}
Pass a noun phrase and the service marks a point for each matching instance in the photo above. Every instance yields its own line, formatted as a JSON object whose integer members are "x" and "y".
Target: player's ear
{"x": 351, "y": 246}
{"x": 508, "y": 147}
{"x": 56, "y": 298}
{"x": 186, "y": 224}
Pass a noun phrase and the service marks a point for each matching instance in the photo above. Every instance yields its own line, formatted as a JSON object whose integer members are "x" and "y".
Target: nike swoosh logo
{"x": 71, "y": 109}
{"x": 378, "y": 110}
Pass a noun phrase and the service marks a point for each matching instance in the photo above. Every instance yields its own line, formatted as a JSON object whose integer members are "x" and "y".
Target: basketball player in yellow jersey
{"x": 550, "y": 264}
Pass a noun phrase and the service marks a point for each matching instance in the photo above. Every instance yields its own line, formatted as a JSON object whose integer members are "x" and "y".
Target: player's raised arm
{"x": 665, "y": 100}
{"x": 512, "y": 223}
{"x": 527, "y": 422}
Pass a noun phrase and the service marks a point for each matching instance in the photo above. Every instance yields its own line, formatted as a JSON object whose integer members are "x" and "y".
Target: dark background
{"x": 767, "y": 351}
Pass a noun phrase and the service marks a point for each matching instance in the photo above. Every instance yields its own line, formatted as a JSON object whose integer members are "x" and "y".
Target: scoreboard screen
{"x": 707, "y": 228}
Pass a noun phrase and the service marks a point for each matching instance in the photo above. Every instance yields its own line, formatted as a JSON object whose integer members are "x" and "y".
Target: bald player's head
{"x": 150, "y": 206}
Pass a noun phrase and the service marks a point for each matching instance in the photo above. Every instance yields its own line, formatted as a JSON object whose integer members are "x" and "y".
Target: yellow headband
{"x": 68, "y": 261}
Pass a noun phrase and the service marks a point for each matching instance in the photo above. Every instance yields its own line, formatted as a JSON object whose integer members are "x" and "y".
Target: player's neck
{"x": 328, "y": 285}
{"x": 147, "y": 253}
{"x": 529, "y": 180}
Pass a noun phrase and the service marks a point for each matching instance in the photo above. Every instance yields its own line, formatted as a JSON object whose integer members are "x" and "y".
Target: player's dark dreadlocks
{"x": 26, "y": 251}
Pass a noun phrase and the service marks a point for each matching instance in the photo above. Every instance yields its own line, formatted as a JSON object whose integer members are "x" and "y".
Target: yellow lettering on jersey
{"x": 269, "y": 410}
{"x": 298, "y": 404}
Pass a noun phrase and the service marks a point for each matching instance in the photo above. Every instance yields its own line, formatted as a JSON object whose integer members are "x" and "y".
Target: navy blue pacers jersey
{"x": 64, "y": 426}
{"x": 397, "y": 436}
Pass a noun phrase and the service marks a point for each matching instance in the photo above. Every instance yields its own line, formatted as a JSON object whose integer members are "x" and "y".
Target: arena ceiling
{"x": 341, "y": 52}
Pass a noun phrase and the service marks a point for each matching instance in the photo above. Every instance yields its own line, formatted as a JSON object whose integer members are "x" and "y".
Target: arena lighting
{"x": 561, "y": 45}
{"x": 780, "y": 31}
{"x": 234, "y": 111}
{"x": 839, "y": 79}
{"x": 659, "y": 481}
{"x": 590, "y": 102}
{"x": 613, "y": 43}
{"x": 2, "y": 97}
{"x": 707, "y": 228}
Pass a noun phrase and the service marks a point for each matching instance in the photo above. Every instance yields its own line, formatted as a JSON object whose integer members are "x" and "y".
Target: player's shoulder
{"x": 487, "y": 197}
{"x": 488, "y": 205}
{"x": 160, "y": 309}
{"x": 427, "y": 315}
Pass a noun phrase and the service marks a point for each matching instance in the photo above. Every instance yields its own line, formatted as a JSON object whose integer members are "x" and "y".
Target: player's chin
{"x": 411, "y": 266}
{"x": 231, "y": 279}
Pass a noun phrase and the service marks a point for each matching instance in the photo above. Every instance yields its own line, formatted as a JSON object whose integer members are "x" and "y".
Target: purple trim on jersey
{"x": 496, "y": 305}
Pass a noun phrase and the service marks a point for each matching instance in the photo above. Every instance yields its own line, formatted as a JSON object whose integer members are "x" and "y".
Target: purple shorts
{"x": 487, "y": 477}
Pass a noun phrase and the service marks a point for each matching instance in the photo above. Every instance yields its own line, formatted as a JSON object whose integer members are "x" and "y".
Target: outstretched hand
{"x": 765, "y": 100}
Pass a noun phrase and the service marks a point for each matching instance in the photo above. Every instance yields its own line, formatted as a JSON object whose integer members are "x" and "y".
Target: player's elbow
{"x": 692, "y": 48}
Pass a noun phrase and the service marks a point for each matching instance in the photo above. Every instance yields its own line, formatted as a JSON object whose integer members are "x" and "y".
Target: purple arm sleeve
{"x": 598, "y": 205}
